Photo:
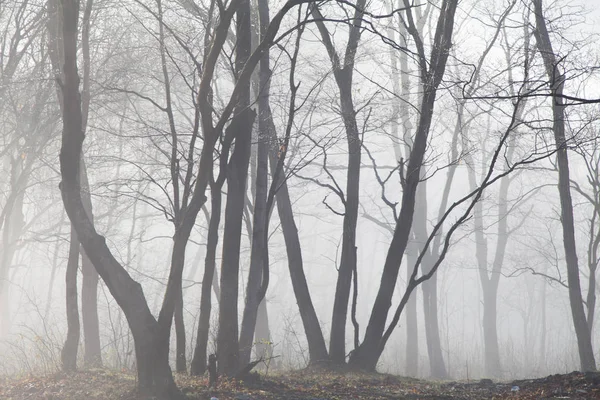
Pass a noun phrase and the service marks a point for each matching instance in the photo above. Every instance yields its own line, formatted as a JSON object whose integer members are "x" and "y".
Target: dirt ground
{"x": 108, "y": 385}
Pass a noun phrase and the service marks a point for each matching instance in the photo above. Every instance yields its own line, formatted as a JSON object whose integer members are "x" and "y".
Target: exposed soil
{"x": 108, "y": 385}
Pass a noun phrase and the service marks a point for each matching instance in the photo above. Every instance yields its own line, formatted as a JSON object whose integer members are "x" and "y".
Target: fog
{"x": 156, "y": 123}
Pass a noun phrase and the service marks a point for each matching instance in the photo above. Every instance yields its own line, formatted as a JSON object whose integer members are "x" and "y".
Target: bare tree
{"x": 259, "y": 215}
{"x": 151, "y": 337}
{"x": 431, "y": 73}
{"x": 557, "y": 82}
{"x": 343, "y": 70}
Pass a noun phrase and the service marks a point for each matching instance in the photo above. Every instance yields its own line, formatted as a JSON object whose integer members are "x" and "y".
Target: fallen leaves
{"x": 302, "y": 385}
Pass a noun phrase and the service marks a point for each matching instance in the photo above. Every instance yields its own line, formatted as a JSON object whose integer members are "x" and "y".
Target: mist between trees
{"x": 410, "y": 187}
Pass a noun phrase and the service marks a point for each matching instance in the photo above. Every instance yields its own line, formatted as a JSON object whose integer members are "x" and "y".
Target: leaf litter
{"x": 301, "y": 385}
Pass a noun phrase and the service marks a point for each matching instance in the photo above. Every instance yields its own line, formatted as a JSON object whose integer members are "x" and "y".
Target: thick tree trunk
{"x": 227, "y": 339}
{"x": 89, "y": 314}
{"x": 237, "y": 175}
{"x": 89, "y": 291}
{"x": 199, "y": 362}
{"x": 260, "y": 222}
{"x": 154, "y": 375}
{"x": 68, "y": 354}
{"x": 180, "y": 359}
{"x": 437, "y": 366}
{"x": 557, "y": 79}
{"x": 490, "y": 330}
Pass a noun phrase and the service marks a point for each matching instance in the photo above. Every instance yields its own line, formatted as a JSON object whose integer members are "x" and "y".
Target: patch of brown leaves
{"x": 92, "y": 385}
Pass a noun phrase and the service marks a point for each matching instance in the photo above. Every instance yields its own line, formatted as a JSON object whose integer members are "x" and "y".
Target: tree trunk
{"x": 557, "y": 79}
{"x": 401, "y": 107}
{"x": 412, "y": 333}
{"x": 180, "y": 359}
{"x": 154, "y": 375}
{"x": 489, "y": 285}
{"x": 260, "y": 224}
{"x": 199, "y": 362}
{"x": 490, "y": 330}
{"x": 89, "y": 314}
{"x": 227, "y": 338}
{"x": 437, "y": 367}
{"x": 343, "y": 76}
{"x": 68, "y": 354}
{"x": 237, "y": 175}
{"x": 543, "y": 329}
{"x": 89, "y": 291}
{"x": 262, "y": 333}
{"x": 314, "y": 335}
{"x": 367, "y": 354}
{"x": 151, "y": 337}
{"x": 173, "y": 300}
{"x": 337, "y": 346}
{"x": 370, "y": 350}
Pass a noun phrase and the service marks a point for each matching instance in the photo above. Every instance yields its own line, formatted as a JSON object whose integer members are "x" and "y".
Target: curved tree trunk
{"x": 154, "y": 376}
{"x": 151, "y": 337}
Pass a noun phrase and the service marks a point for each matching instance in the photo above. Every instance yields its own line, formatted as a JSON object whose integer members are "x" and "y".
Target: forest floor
{"x": 109, "y": 385}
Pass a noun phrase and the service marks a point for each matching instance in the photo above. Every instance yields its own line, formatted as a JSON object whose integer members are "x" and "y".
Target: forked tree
{"x": 151, "y": 335}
